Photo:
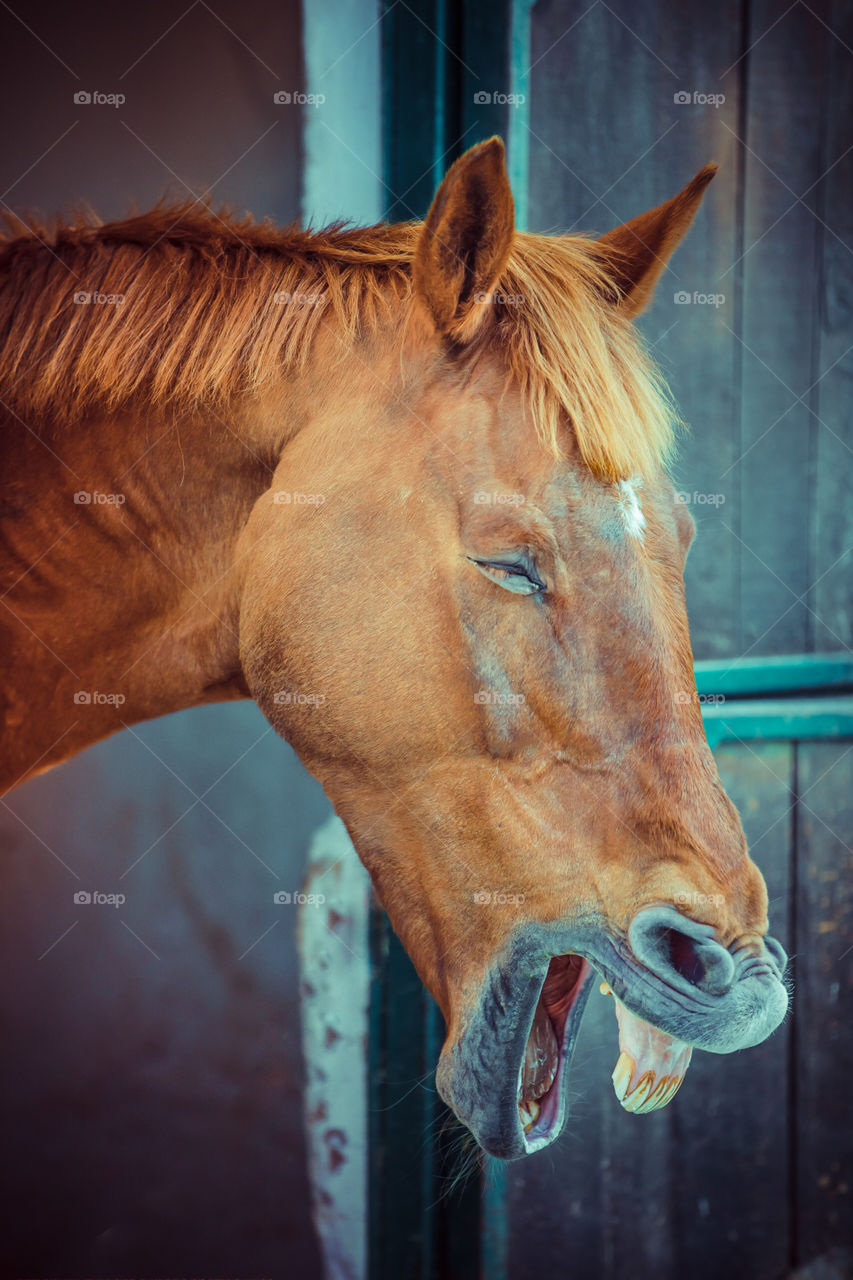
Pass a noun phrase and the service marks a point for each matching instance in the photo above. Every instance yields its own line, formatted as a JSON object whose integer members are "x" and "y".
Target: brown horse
{"x": 406, "y": 488}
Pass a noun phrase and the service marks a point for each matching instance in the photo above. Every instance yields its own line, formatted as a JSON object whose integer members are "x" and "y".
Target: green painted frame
{"x": 797, "y": 696}
{"x": 439, "y": 59}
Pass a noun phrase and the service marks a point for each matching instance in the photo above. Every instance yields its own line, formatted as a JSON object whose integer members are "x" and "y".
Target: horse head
{"x": 478, "y": 642}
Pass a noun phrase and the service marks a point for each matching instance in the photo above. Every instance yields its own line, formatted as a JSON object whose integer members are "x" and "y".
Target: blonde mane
{"x": 188, "y": 310}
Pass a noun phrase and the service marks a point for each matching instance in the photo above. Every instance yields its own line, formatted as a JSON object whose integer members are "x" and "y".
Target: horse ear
{"x": 642, "y": 247}
{"x": 465, "y": 241}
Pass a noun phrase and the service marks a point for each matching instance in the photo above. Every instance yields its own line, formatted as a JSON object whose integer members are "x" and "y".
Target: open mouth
{"x": 648, "y": 1074}
{"x": 547, "y": 1055}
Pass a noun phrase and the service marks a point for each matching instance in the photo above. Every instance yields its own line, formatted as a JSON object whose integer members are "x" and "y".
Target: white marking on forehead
{"x": 632, "y": 512}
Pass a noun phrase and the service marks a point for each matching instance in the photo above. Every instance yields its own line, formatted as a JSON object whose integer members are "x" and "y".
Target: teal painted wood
{"x": 400, "y": 1241}
{"x": 784, "y": 674}
{"x": 446, "y": 79}
{"x": 800, "y": 719}
{"x": 518, "y": 124}
{"x": 420, "y": 85}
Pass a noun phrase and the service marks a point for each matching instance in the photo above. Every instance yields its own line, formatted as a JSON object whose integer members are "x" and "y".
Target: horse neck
{"x": 122, "y": 604}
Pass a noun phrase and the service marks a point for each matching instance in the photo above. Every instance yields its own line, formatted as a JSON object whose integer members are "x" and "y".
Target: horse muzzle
{"x": 505, "y": 1073}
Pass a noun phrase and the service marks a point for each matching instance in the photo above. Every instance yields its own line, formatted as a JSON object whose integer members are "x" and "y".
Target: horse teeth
{"x": 657, "y": 1096}
{"x": 650, "y": 1094}
{"x": 622, "y": 1073}
{"x": 529, "y": 1113}
{"x": 636, "y": 1100}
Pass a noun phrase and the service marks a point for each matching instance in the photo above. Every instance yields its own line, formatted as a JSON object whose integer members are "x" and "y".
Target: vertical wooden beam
{"x": 779, "y": 270}
{"x": 608, "y": 141}
{"x": 732, "y": 1138}
{"x": 832, "y": 509}
{"x": 823, "y": 1102}
{"x": 420, "y": 75}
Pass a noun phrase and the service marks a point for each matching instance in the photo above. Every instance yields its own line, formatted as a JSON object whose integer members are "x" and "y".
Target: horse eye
{"x": 517, "y": 576}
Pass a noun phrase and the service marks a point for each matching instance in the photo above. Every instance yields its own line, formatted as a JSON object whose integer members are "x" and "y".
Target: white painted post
{"x": 334, "y": 1006}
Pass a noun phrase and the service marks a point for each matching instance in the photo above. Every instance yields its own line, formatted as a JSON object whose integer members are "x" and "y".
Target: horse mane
{"x": 200, "y": 323}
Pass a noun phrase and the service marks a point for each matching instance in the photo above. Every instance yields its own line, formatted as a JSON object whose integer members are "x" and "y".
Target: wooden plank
{"x": 605, "y": 123}
{"x": 778, "y": 718}
{"x": 731, "y": 1138}
{"x": 787, "y": 673}
{"x": 833, "y": 510}
{"x": 781, "y": 237}
{"x": 823, "y": 1103}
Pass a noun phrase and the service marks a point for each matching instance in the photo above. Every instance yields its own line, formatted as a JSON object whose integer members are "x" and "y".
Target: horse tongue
{"x": 651, "y": 1064}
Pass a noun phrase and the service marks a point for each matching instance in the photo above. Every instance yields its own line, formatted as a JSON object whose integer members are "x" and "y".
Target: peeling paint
{"x": 335, "y": 972}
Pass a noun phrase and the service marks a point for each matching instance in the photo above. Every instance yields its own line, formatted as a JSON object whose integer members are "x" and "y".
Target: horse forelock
{"x": 183, "y": 307}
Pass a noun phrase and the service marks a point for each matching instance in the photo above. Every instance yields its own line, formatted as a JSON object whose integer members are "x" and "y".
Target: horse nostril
{"x": 681, "y": 951}
{"x": 684, "y": 956}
